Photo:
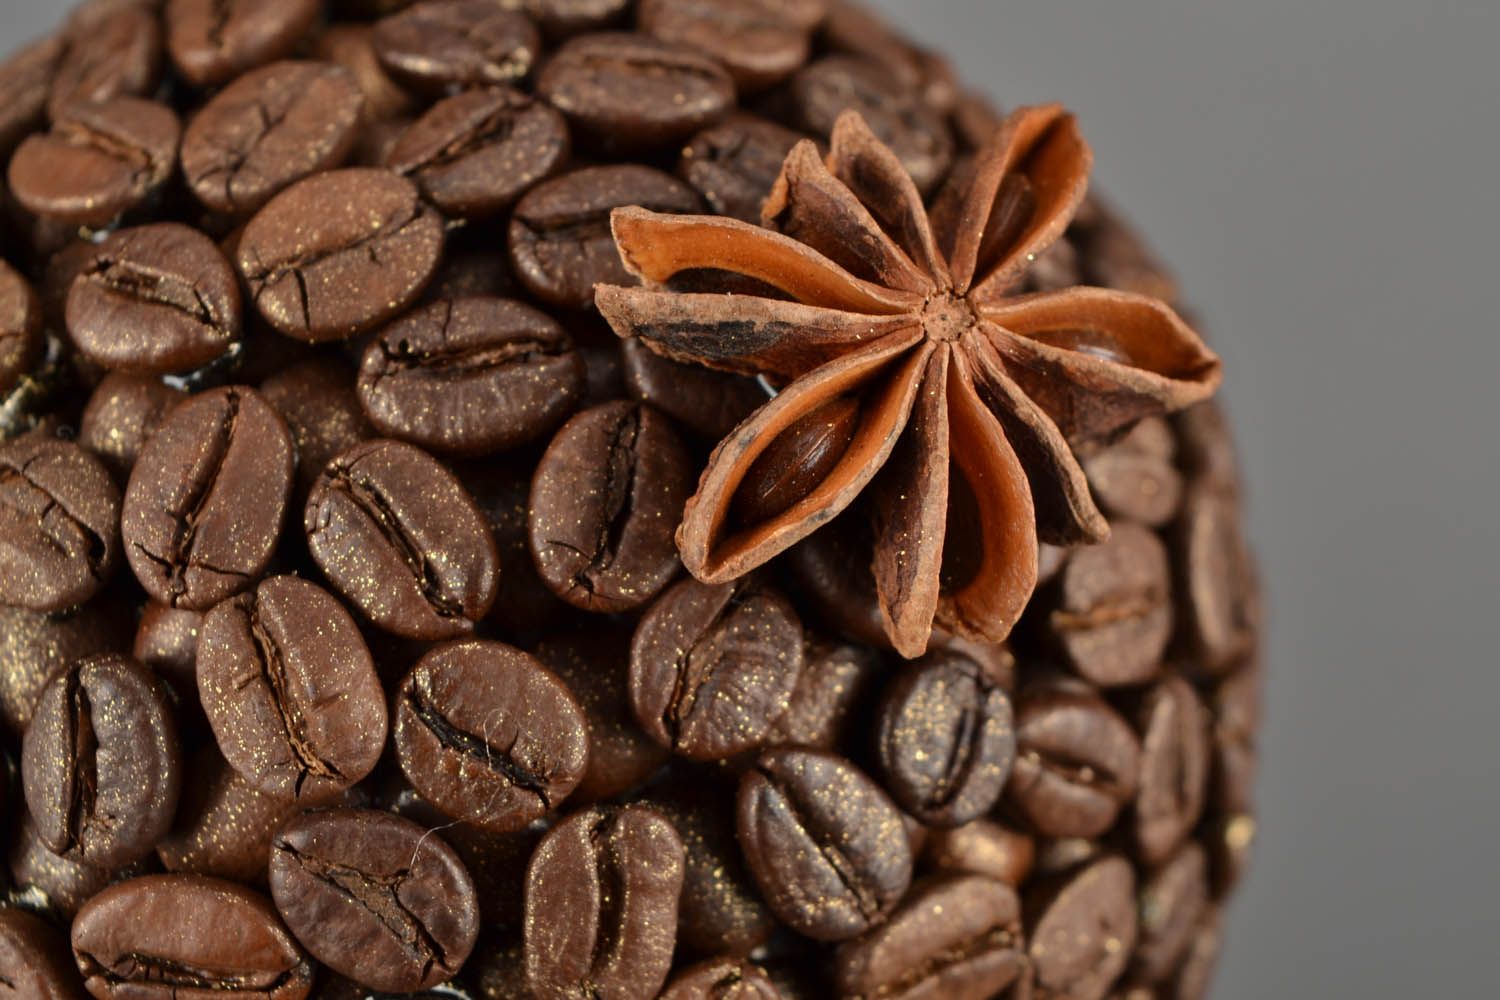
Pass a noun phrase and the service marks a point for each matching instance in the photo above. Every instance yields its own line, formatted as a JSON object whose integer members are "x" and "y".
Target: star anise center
{"x": 946, "y": 317}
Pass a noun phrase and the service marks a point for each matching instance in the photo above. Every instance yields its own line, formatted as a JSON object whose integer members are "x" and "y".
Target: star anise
{"x": 908, "y": 321}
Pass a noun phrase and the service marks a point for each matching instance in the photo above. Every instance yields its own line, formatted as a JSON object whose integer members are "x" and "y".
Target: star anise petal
{"x": 988, "y": 605}
{"x": 716, "y": 550}
{"x": 1097, "y": 360}
{"x": 1065, "y": 509}
{"x": 876, "y": 177}
{"x": 910, "y": 514}
{"x": 742, "y": 333}
{"x": 656, "y": 247}
{"x": 815, "y": 208}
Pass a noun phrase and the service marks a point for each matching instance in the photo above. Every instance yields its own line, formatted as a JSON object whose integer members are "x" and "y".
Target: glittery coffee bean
{"x": 721, "y": 979}
{"x": 210, "y": 41}
{"x": 20, "y": 328}
{"x": 435, "y": 45}
{"x": 982, "y": 847}
{"x": 36, "y": 646}
{"x": 835, "y": 681}
{"x": 758, "y": 43}
{"x": 122, "y": 415}
{"x": 1083, "y": 929}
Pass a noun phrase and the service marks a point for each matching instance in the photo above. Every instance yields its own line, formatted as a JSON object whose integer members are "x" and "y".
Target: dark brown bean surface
{"x": 827, "y": 848}
{"x": 50, "y": 884}
{"x": 397, "y": 535}
{"x": 710, "y": 404}
{"x": 26, "y": 80}
{"x": 375, "y": 897}
{"x": 211, "y": 41}
{"x": 167, "y": 937}
{"x": 20, "y": 328}
{"x": 59, "y": 524}
{"x": 957, "y": 937}
{"x": 605, "y": 502}
{"x": 561, "y": 18}
{"x": 471, "y": 376}
{"x": 268, "y": 129}
{"x": 559, "y": 235}
{"x": 475, "y": 153}
{"x": 945, "y": 739}
{"x": 155, "y": 299}
{"x": 601, "y": 905}
{"x": 1236, "y": 720}
{"x": 1173, "y": 903}
{"x": 1216, "y": 580}
{"x": 317, "y": 400}
{"x": 339, "y": 253}
{"x": 982, "y": 847}
{"x": 35, "y": 647}
{"x": 122, "y": 415}
{"x": 1134, "y": 478}
{"x": 488, "y": 735}
{"x": 351, "y": 45}
{"x": 1173, "y": 725}
{"x": 759, "y": 43}
{"x": 109, "y": 50}
{"x": 207, "y": 497}
{"x": 437, "y": 44}
{"x": 290, "y": 690}
{"x": 734, "y": 164}
{"x": 1082, "y": 931}
{"x": 501, "y": 487}
{"x": 624, "y": 92}
{"x": 721, "y": 979}
{"x": 35, "y": 963}
{"x": 713, "y": 667}
{"x": 101, "y": 763}
{"x": 835, "y": 679}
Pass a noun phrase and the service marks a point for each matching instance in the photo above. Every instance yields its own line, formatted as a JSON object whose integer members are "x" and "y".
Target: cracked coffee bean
{"x": 155, "y": 299}
{"x": 101, "y": 763}
{"x": 722, "y": 979}
{"x": 944, "y": 739}
{"x": 20, "y": 328}
{"x": 59, "y": 524}
{"x": 488, "y": 735}
{"x": 35, "y": 963}
{"x": 207, "y": 497}
{"x": 471, "y": 376}
{"x": 713, "y": 667}
{"x": 605, "y": 502}
{"x": 957, "y": 937}
{"x": 759, "y": 43}
{"x": 269, "y": 129}
{"x": 624, "y": 92}
{"x": 601, "y": 905}
{"x": 375, "y": 897}
{"x": 475, "y": 153}
{"x": 734, "y": 164}
{"x": 1077, "y": 761}
{"x": 109, "y": 50}
{"x": 826, "y": 846}
{"x": 317, "y": 400}
{"x": 98, "y": 162}
{"x": 339, "y": 253}
{"x": 212, "y": 41}
{"x": 559, "y": 235}
{"x": 167, "y": 937}
{"x": 122, "y": 415}
{"x": 1083, "y": 929}
{"x": 437, "y": 45}
{"x": 397, "y": 535}
{"x": 290, "y": 690}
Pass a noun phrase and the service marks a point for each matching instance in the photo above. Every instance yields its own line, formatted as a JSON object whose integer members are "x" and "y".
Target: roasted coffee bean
{"x": 1205, "y": 448}
{"x": 831, "y": 569}
{"x": 488, "y": 735}
{"x": 1173, "y": 902}
{"x": 35, "y": 647}
{"x": 317, "y": 400}
{"x": 59, "y": 524}
{"x": 827, "y": 848}
{"x": 501, "y": 487}
{"x": 1134, "y": 478}
{"x": 835, "y": 679}
{"x": 109, "y": 50}
{"x": 944, "y": 739}
{"x": 981, "y": 847}
{"x": 1113, "y": 613}
{"x": 605, "y": 502}
{"x": 26, "y": 80}
{"x": 352, "y": 46}
{"x": 797, "y": 462}
{"x": 155, "y": 299}
{"x": 212, "y": 41}
{"x": 475, "y": 265}
{"x": 50, "y": 884}
{"x": 475, "y": 153}
{"x": 290, "y": 690}
{"x": 721, "y": 979}
{"x": 562, "y": 18}
{"x": 759, "y": 43}
{"x": 560, "y": 241}
{"x": 20, "y": 328}
{"x": 98, "y": 162}
{"x": 956, "y": 937}
{"x": 207, "y": 497}
{"x": 601, "y": 905}
{"x": 397, "y": 535}
{"x": 35, "y": 963}
{"x": 166, "y": 640}
{"x": 710, "y": 404}
{"x": 593, "y": 660}
{"x": 436, "y": 45}
{"x": 1173, "y": 726}
{"x": 625, "y": 93}
{"x": 1193, "y": 976}
{"x": 1216, "y": 581}
{"x": 161, "y": 937}
{"x": 734, "y": 164}
{"x": 915, "y": 131}
{"x": 720, "y": 911}
{"x": 375, "y": 897}
{"x": 340, "y": 252}
{"x": 268, "y": 129}
{"x": 122, "y": 415}
{"x": 1077, "y": 762}
{"x": 101, "y": 764}
{"x": 471, "y": 376}
{"x": 1236, "y": 720}
{"x": 1083, "y": 931}
{"x": 855, "y": 29}
{"x": 713, "y": 667}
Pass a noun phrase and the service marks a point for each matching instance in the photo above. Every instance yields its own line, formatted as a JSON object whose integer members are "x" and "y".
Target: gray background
{"x": 1322, "y": 175}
